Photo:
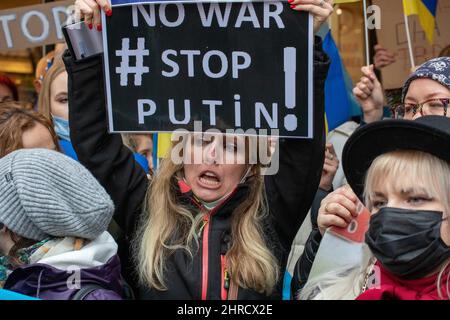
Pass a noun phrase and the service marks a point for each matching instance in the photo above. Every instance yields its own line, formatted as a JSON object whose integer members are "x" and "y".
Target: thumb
{"x": 372, "y": 75}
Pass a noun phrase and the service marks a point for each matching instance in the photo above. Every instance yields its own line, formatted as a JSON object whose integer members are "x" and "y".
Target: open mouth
{"x": 209, "y": 179}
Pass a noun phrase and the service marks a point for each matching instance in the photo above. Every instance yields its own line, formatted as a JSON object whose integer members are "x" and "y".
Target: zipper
{"x": 205, "y": 245}
{"x": 225, "y": 281}
{"x": 205, "y": 255}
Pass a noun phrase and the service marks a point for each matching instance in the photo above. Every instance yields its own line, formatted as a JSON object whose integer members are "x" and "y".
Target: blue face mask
{"x": 61, "y": 128}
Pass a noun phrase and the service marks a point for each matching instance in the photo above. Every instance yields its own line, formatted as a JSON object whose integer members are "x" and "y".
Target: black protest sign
{"x": 230, "y": 66}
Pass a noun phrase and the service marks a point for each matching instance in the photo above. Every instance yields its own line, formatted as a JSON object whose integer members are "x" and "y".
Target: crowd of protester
{"x": 77, "y": 202}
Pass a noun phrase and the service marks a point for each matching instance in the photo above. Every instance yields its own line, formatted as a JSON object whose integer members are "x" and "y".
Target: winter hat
{"x": 437, "y": 69}
{"x": 45, "y": 193}
{"x": 430, "y": 134}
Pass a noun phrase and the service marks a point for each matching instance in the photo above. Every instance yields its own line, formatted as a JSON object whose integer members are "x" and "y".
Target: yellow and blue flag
{"x": 426, "y": 10}
{"x": 164, "y": 144}
{"x": 338, "y": 104}
{"x": 161, "y": 146}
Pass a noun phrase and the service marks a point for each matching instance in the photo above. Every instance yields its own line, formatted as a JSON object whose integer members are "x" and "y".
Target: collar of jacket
{"x": 224, "y": 208}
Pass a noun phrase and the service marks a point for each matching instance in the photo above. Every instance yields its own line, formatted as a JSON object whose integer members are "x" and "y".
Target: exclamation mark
{"x": 290, "y": 69}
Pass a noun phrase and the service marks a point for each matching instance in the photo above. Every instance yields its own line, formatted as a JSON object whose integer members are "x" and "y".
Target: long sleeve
{"x": 291, "y": 191}
{"x": 103, "y": 154}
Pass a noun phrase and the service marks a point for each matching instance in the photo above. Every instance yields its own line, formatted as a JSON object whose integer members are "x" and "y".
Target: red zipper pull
{"x": 204, "y": 223}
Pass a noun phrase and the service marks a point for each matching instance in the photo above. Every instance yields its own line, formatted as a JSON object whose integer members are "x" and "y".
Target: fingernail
{"x": 99, "y": 27}
{"x": 90, "y": 25}
{"x": 290, "y": 1}
{"x": 108, "y": 13}
{"x": 292, "y": 6}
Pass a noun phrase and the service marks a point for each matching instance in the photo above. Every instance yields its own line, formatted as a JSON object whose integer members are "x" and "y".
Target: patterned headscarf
{"x": 437, "y": 69}
{"x": 22, "y": 257}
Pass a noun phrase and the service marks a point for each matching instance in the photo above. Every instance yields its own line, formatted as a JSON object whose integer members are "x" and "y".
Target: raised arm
{"x": 291, "y": 191}
{"x": 103, "y": 154}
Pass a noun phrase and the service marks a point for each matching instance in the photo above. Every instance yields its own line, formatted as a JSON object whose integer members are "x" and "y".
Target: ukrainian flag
{"x": 161, "y": 146}
{"x": 426, "y": 10}
{"x": 338, "y": 105}
{"x": 164, "y": 144}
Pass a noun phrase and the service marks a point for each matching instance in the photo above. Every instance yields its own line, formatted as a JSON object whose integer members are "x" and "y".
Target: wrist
{"x": 373, "y": 115}
{"x": 321, "y": 232}
{"x": 326, "y": 187}
{"x": 326, "y": 184}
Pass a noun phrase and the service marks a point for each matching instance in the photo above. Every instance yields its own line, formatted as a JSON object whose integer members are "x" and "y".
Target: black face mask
{"x": 407, "y": 242}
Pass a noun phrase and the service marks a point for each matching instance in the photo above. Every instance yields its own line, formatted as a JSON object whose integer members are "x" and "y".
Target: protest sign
{"x": 117, "y": 3}
{"x": 245, "y": 65}
{"x": 392, "y": 36}
{"x": 342, "y": 248}
{"x": 33, "y": 26}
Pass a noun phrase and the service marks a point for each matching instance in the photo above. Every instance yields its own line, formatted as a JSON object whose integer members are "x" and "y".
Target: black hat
{"x": 430, "y": 134}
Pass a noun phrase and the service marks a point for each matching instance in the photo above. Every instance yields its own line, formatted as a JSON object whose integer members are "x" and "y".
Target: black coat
{"x": 304, "y": 263}
{"x": 290, "y": 192}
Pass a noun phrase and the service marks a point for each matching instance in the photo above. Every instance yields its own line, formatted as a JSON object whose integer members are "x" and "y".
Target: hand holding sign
{"x": 342, "y": 248}
{"x": 161, "y": 76}
{"x": 356, "y": 229}
{"x": 320, "y": 9}
{"x": 337, "y": 209}
{"x": 346, "y": 221}
{"x": 89, "y": 10}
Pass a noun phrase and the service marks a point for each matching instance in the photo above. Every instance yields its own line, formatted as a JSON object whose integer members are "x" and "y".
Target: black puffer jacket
{"x": 290, "y": 192}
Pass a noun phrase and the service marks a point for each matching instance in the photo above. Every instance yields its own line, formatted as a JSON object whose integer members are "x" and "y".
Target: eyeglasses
{"x": 407, "y": 111}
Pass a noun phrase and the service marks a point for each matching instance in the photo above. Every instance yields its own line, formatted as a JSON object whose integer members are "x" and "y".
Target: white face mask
{"x": 211, "y": 205}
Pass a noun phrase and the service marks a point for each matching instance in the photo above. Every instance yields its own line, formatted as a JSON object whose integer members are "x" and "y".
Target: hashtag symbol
{"x": 125, "y": 69}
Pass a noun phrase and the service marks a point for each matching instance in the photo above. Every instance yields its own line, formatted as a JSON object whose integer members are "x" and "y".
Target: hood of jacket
{"x": 62, "y": 271}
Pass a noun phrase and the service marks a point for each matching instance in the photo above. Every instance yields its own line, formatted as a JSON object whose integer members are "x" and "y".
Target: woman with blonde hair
{"x": 403, "y": 169}
{"x": 425, "y": 92}
{"x": 209, "y": 230}
{"x": 53, "y": 104}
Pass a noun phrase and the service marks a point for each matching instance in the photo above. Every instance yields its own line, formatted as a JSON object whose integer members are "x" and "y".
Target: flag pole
{"x": 408, "y": 36}
{"x": 366, "y": 34}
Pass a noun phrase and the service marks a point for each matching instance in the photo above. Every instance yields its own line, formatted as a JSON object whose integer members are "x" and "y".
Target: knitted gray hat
{"x": 437, "y": 69}
{"x": 45, "y": 193}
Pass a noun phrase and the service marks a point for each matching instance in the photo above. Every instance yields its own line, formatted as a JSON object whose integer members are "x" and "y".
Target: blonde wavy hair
{"x": 406, "y": 167}
{"x": 44, "y": 101}
{"x": 167, "y": 225}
